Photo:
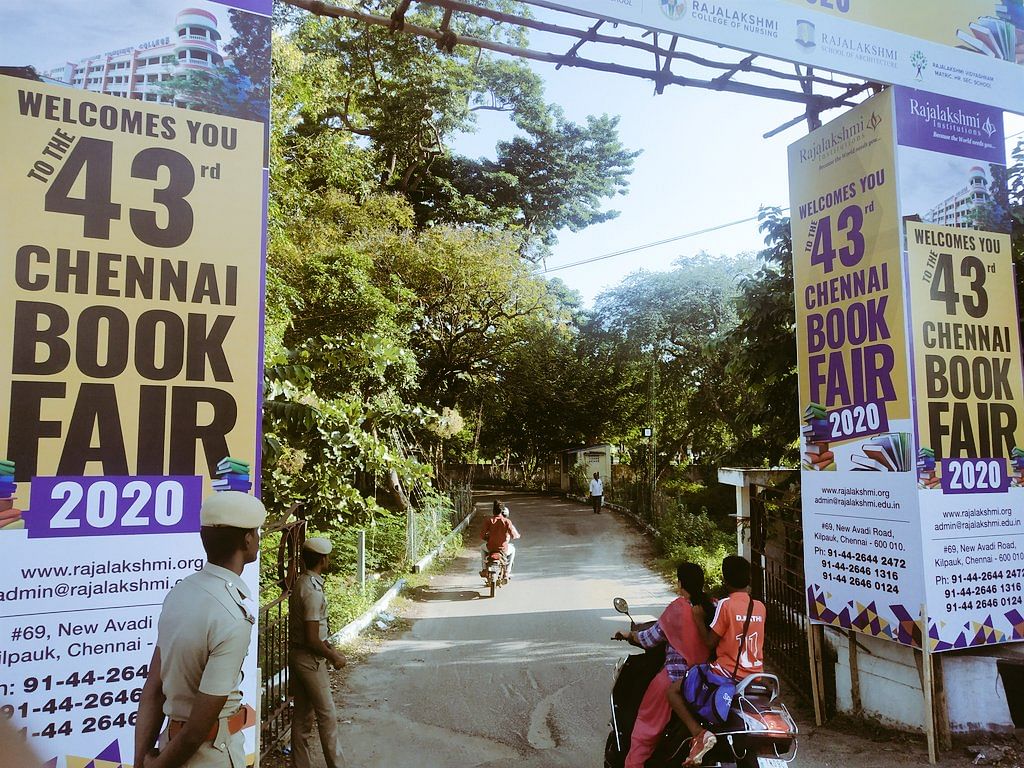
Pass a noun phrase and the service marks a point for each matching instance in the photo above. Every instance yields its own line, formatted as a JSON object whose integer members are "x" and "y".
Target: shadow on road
{"x": 431, "y": 595}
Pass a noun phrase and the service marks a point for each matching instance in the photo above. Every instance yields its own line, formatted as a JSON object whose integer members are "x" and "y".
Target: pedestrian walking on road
{"x": 596, "y": 493}
{"x": 310, "y": 654}
{"x": 203, "y": 634}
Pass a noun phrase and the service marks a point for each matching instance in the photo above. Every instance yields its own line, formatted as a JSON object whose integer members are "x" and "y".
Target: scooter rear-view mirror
{"x": 621, "y": 605}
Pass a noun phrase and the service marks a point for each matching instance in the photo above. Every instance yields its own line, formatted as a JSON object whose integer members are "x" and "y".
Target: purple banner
{"x": 858, "y": 421}
{"x": 975, "y": 476}
{"x": 951, "y": 126}
{"x": 113, "y": 506}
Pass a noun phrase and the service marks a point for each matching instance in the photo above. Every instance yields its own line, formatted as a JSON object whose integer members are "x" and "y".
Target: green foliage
{"x": 401, "y": 99}
{"x": 694, "y": 537}
{"x": 433, "y": 520}
{"x": 761, "y": 351}
{"x": 579, "y": 477}
{"x": 670, "y": 325}
{"x": 555, "y": 175}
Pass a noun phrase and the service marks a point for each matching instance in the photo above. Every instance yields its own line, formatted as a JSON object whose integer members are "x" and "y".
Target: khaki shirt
{"x": 307, "y": 603}
{"x": 203, "y": 636}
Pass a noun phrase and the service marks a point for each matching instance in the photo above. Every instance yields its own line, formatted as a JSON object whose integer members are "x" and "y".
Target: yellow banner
{"x": 937, "y": 22}
{"x": 966, "y": 342}
{"x": 132, "y": 294}
{"x": 849, "y": 293}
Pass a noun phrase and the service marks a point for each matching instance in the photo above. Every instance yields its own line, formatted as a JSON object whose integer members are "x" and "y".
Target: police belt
{"x": 234, "y": 724}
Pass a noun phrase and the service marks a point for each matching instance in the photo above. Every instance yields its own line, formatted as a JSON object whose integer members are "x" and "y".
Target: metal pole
{"x": 361, "y": 559}
{"x": 410, "y": 535}
{"x": 654, "y": 438}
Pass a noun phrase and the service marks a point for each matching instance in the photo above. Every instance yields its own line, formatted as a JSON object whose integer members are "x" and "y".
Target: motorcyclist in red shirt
{"x": 498, "y": 535}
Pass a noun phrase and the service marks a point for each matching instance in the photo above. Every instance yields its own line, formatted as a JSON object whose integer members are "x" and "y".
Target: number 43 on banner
{"x": 93, "y": 159}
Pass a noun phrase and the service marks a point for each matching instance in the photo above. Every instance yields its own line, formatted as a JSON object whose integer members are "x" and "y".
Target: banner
{"x": 134, "y": 176}
{"x": 972, "y": 49}
{"x": 965, "y": 342}
{"x": 862, "y": 539}
{"x": 919, "y": 481}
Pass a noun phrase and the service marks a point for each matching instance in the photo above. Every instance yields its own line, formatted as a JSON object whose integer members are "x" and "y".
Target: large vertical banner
{"x": 134, "y": 179}
{"x": 965, "y": 343}
{"x": 913, "y": 479}
{"x": 862, "y": 539}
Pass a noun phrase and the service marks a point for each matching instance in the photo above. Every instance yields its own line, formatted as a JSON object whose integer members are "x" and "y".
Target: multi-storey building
{"x": 957, "y": 209}
{"x": 137, "y": 72}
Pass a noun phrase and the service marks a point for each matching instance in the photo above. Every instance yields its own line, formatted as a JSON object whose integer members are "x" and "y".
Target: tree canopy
{"x": 409, "y": 326}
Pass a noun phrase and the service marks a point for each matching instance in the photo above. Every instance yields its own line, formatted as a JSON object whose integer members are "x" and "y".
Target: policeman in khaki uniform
{"x": 203, "y": 635}
{"x": 310, "y": 654}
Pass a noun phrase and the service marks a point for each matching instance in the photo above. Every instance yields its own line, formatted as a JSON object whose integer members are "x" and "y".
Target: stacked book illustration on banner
{"x": 996, "y": 37}
{"x": 817, "y": 456}
{"x": 885, "y": 453}
{"x": 234, "y": 475}
{"x": 926, "y": 475}
{"x": 8, "y": 514}
{"x": 1017, "y": 462}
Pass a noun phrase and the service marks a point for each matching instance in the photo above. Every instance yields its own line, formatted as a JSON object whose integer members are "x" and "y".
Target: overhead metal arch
{"x": 706, "y": 66}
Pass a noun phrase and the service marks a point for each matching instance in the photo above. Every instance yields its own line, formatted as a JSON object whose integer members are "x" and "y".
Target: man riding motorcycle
{"x": 498, "y": 535}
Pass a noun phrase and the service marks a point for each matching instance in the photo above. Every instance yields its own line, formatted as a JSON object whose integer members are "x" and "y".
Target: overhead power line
{"x": 636, "y": 248}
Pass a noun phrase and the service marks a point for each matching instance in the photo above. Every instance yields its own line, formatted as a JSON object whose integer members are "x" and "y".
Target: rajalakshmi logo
{"x": 920, "y": 63}
{"x": 805, "y": 34}
{"x": 674, "y": 9}
{"x": 989, "y": 127}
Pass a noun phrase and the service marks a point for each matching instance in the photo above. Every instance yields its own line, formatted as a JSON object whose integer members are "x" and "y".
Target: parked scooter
{"x": 497, "y": 571}
{"x": 758, "y": 733}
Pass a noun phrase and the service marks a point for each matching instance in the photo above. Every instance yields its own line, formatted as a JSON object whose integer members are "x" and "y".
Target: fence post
{"x": 410, "y": 535}
{"x": 259, "y": 710}
{"x": 815, "y": 641}
{"x": 361, "y": 559}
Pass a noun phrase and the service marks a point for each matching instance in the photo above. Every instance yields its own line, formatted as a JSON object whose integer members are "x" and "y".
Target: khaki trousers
{"x": 209, "y": 756}
{"x": 311, "y": 692}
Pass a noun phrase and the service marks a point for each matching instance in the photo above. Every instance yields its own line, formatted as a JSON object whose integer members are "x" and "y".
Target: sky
{"x": 704, "y": 164}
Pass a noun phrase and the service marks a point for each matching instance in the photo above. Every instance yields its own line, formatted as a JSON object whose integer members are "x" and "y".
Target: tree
{"x": 472, "y": 294}
{"x": 559, "y": 385}
{"x": 398, "y": 298}
{"x": 554, "y": 176}
{"x": 671, "y": 324}
{"x": 405, "y": 100}
{"x": 761, "y": 350}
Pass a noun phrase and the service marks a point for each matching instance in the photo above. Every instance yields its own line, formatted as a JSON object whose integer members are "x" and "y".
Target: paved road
{"x": 523, "y": 680}
{"x": 520, "y": 680}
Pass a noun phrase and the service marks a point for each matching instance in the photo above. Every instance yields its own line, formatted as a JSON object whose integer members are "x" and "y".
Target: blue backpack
{"x": 710, "y": 694}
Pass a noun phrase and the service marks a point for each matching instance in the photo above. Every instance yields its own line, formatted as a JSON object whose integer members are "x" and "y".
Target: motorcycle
{"x": 497, "y": 571}
{"x": 758, "y": 733}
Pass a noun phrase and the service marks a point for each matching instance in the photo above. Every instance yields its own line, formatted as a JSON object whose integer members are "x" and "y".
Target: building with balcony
{"x": 957, "y": 210}
{"x": 137, "y": 72}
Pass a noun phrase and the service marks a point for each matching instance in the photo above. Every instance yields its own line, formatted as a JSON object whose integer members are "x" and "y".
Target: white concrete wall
{"x": 974, "y": 690}
{"x": 890, "y": 685}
